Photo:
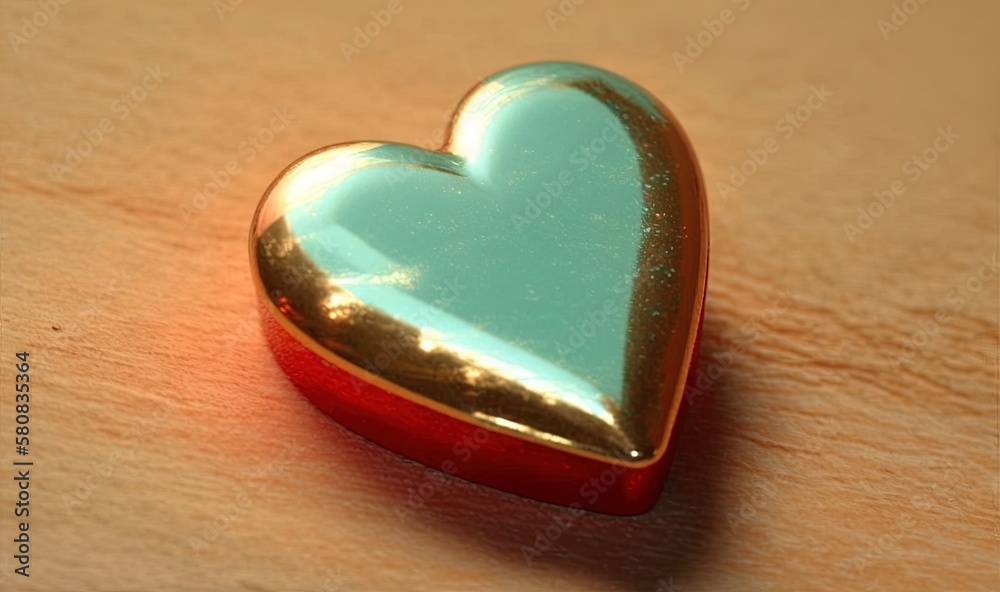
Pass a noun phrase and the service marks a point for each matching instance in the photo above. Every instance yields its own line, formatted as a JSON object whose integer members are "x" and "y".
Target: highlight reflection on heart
{"x": 521, "y": 307}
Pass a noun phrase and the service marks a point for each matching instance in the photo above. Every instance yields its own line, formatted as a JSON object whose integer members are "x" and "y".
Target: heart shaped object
{"x": 520, "y": 308}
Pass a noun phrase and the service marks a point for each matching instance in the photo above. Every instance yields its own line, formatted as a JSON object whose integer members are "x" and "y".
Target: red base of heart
{"x": 464, "y": 449}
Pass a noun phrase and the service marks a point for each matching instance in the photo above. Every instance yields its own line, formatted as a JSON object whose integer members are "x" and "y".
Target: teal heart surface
{"x": 542, "y": 274}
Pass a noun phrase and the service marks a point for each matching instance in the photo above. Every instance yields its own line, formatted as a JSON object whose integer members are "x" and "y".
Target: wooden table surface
{"x": 847, "y": 437}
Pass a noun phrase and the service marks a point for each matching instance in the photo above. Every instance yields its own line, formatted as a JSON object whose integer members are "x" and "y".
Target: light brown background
{"x": 813, "y": 464}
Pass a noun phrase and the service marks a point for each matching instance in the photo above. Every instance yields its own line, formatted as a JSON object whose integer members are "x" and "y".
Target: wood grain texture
{"x": 848, "y": 437}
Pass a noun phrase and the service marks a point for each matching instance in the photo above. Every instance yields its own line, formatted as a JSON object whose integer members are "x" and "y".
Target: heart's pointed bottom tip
{"x": 463, "y": 449}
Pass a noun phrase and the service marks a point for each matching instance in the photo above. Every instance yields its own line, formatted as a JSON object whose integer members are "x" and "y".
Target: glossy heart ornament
{"x": 519, "y": 308}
